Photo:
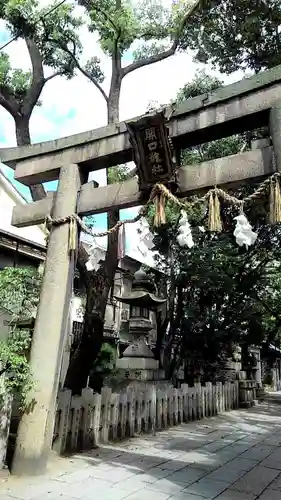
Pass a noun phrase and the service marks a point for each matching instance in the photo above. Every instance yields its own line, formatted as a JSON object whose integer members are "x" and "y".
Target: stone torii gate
{"x": 243, "y": 106}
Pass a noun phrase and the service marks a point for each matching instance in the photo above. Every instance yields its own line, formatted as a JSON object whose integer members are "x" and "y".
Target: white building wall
{"x": 9, "y": 197}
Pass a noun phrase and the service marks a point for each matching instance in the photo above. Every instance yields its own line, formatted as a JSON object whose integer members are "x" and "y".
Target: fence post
{"x": 237, "y": 393}
{"x": 106, "y": 405}
{"x": 96, "y": 418}
{"x": 209, "y": 398}
{"x": 114, "y": 418}
{"x": 180, "y": 399}
{"x": 175, "y": 406}
{"x": 131, "y": 411}
{"x": 76, "y": 404}
{"x": 123, "y": 414}
{"x": 190, "y": 403}
{"x": 62, "y": 426}
{"x": 86, "y": 424}
{"x": 170, "y": 407}
{"x": 185, "y": 402}
{"x": 197, "y": 387}
{"x": 203, "y": 403}
{"x": 138, "y": 410}
{"x": 153, "y": 409}
{"x": 159, "y": 409}
{"x": 165, "y": 410}
{"x": 219, "y": 396}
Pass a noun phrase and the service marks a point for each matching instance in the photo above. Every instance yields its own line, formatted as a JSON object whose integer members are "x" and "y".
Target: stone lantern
{"x": 138, "y": 360}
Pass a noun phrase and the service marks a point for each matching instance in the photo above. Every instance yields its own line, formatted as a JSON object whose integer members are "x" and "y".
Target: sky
{"x": 73, "y": 106}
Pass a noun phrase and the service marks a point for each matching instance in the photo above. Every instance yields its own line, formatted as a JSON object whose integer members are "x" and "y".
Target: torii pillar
{"x": 34, "y": 439}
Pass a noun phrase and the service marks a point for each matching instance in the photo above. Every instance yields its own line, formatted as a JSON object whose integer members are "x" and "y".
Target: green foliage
{"x": 268, "y": 379}
{"x": 118, "y": 174}
{"x": 13, "y": 359}
{"x": 106, "y": 359}
{"x": 202, "y": 84}
{"x": 146, "y": 28}
{"x": 89, "y": 221}
{"x": 124, "y": 22}
{"x": 236, "y": 34}
{"x": 19, "y": 293}
{"x": 45, "y": 33}
{"x": 19, "y": 290}
{"x": 103, "y": 367}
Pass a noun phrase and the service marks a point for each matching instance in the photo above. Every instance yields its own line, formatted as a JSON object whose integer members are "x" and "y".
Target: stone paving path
{"x": 235, "y": 456}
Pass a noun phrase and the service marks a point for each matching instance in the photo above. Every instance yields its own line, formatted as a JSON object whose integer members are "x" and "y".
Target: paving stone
{"x": 151, "y": 475}
{"x": 52, "y": 496}
{"x": 167, "y": 486}
{"x": 276, "y": 485}
{"x": 256, "y": 480}
{"x": 172, "y": 465}
{"x": 272, "y": 440}
{"x": 276, "y": 455}
{"x": 244, "y": 464}
{"x": 258, "y": 452}
{"x": 227, "y": 474}
{"x": 76, "y": 476}
{"x": 83, "y": 489}
{"x": 33, "y": 491}
{"x": 214, "y": 446}
{"x": 131, "y": 484}
{"x": 270, "y": 495}
{"x": 187, "y": 475}
{"x": 183, "y": 495}
{"x": 149, "y": 495}
{"x": 114, "y": 475}
{"x": 114, "y": 494}
{"x": 271, "y": 463}
{"x": 207, "y": 488}
{"x": 230, "y": 494}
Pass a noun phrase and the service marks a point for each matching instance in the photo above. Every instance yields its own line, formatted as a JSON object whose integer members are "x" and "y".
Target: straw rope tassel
{"x": 214, "y": 219}
{"x": 277, "y": 199}
{"x": 271, "y": 203}
{"x": 72, "y": 238}
{"x": 159, "y": 203}
{"x": 274, "y": 201}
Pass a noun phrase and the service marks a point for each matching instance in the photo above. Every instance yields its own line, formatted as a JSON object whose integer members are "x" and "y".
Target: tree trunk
{"x": 113, "y": 101}
{"x": 23, "y": 139}
{"x": 99, "y": 285}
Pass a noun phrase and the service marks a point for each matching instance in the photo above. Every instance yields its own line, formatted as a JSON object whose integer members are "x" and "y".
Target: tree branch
{"x": 85, "y": 72}
{"x": 89, "y": 6}
{"x": 8, "y": 102}
{"x": 166, "y": 53}
{"x": 57, "y": 73}
{"x": 116, "y": 28}
{"x": 38, "y": 79}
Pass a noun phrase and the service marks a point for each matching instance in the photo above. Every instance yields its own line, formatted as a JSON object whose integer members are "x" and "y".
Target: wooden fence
{"x": 85, "y": 421}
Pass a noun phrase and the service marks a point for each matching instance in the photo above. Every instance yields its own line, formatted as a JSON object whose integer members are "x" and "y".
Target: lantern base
{"x": 139, "y": 375}
{"x": 128, "y": 363}
{"x": 140, "y": 369}
{"x": 139, "y": 349}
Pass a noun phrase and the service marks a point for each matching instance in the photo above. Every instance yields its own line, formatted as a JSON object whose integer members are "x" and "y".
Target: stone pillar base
{"x": 247, "y": 393}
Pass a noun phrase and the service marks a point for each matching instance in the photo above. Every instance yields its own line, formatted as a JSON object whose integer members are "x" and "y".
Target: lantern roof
{"x": 142, "y": 293}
